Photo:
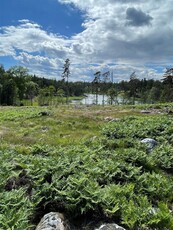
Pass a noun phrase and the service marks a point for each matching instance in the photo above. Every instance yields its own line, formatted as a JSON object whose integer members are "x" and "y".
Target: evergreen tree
{"x": 9, "y": 92}
{"x": 167, "y": 93}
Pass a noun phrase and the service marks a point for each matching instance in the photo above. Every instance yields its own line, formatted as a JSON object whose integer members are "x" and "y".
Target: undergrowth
{"x": 111, "y": 178}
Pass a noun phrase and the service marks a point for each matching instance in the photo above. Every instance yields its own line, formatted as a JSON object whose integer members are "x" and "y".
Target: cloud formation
{"x": 121, "y": 35}
{"x": 137, "y": 17}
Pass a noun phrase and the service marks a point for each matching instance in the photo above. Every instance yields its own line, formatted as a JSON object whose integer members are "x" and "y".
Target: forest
{"x": 17, "y": 85}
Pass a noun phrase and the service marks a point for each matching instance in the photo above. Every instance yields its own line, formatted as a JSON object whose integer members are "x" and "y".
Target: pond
{"x": 91, "y": 99}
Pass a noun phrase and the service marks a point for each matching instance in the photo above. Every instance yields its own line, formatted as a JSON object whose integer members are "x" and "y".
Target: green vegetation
{"x": 72, "y": 160}
{"x": 18, "y": 87}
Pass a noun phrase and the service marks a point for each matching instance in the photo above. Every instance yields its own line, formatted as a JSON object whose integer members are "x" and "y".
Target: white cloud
{"x": 124, "y": 35}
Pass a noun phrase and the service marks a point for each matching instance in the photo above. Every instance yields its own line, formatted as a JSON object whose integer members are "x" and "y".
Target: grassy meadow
{"x": 87, "y": 162}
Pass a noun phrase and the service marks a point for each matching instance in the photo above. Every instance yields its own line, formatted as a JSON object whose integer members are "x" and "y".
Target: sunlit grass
{"x": 63, "y": 125}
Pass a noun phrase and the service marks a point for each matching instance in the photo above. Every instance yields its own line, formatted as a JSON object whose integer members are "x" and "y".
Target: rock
{"x": 145, "y": 111}
{"x": 45, "y": 129}
{"x": 44, "y": 113}
{"x": 51, "y": 221}
{"x": 151, "y": 111}
{"x": 55, "y": 221}
{"x": 108, "y": 118}
{"x": 110, "y": 227}
{"x": 151, "y": 143}
{"x": 111, "y": 119}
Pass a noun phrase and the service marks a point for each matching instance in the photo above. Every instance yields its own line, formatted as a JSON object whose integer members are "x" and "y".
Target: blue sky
{"x": 51, "y": 15}
{"x": 122, "y": 36}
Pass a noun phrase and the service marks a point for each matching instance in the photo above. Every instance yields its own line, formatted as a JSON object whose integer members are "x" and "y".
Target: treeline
{"x": 17, "y": 85}
{"x": 137, "y": 90}
{"x": 148, "y": 91}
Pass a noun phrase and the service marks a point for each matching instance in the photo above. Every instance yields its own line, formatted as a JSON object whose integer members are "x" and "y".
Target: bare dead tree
{"x": 65, "y": 76}
{"x": 106, "y": 79}
{"x": 96, "y": 83}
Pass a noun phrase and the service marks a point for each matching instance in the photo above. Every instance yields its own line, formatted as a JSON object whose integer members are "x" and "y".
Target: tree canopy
{"x": 16, "y": 84}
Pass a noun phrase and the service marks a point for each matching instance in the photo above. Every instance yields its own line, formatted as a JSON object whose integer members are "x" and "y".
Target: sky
{"x": 120, "y": 36}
